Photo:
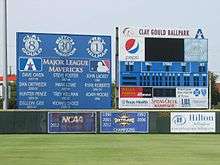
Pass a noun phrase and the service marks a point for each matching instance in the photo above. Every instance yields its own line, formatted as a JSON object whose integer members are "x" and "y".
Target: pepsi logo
{"x": 132, "y": 46}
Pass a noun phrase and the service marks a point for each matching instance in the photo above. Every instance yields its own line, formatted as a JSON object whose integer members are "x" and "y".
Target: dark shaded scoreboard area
{"x": 164, "y": 49}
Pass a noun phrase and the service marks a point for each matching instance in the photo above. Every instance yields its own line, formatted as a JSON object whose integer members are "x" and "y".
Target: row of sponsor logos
{"x": 147, "y": 97}
{"x": 64, "y": 45}
{"x": 128, "y": 122}
{"x": 163, "y": 103}
{"x": 149, "y": 92}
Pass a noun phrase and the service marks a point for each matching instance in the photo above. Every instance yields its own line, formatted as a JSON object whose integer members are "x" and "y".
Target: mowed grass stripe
{"x": 90, "y": 149}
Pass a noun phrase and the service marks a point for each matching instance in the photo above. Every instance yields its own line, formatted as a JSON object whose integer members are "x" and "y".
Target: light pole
{"x": 210, "y": 90}
{"x": 4, "y": 53}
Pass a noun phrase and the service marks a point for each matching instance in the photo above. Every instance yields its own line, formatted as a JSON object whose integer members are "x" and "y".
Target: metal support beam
{"x": 4, "y": 53}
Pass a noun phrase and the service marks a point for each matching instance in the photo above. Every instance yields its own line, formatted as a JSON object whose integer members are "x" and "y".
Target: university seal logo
{"x": 65, "y": 46}
{"x": 97, "y": 47}
{"x": 31, "y": 45}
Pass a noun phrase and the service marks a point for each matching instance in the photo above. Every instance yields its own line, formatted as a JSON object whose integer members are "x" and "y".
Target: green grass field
{"x": 74, "y": 149}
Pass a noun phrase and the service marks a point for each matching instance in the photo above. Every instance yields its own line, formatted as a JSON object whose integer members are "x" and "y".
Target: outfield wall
{"x": 23, "y": 122}
{"x": 109, "y": 122}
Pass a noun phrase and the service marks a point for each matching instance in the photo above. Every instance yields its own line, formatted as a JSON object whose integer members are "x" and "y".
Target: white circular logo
{"x": 65, "y": 46}
{"x": 128, "y": 32}
{"x": 96, "y": 48}
{"x": 31, "y": 45}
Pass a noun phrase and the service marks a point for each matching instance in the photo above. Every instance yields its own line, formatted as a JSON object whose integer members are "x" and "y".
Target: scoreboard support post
{"x": 210, "y": 91}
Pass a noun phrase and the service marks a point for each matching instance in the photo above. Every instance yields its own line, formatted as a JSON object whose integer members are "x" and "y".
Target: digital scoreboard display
{"x": 162, "y": 71}
{"x": 164, "y": 49}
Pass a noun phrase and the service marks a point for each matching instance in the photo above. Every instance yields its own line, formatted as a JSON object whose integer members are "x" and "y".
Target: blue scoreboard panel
{"x": 124, "y": 122}
{"x": 63, "y": 71}
{"x": 163, "y": 73}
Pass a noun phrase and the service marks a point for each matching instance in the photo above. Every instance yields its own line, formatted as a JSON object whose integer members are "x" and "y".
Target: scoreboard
{"x": 163, "y": 68}
{"x": 63, "y": 71}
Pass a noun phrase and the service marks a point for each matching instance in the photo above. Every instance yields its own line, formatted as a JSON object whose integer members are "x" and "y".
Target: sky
{"x": 102, "y": 16}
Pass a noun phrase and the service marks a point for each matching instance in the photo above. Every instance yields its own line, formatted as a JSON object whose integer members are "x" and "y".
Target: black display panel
{"x": 164, "y": 92}
{"x": 164, "y": 49}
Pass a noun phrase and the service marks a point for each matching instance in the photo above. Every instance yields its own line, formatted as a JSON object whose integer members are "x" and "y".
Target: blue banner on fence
{"x": 124, "y": 122}
{"x": 63, "y": 71}
{"x": 71, "y": 122}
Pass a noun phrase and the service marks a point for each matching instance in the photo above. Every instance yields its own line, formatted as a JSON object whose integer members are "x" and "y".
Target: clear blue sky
{"x": 102, "y": 16}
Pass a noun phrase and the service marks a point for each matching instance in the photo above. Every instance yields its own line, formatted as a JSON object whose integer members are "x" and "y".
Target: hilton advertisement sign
{"x": 192, "y": 122}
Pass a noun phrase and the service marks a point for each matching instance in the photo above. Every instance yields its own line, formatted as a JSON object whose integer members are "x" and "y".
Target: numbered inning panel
{"x": 62, "y": 71}
{"x": 170, "y": 73}
{"x": 164, "y": 74}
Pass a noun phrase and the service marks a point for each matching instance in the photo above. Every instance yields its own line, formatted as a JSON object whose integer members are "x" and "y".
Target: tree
{"x": 214, "y": 91}
{"x": 12, "y": 99}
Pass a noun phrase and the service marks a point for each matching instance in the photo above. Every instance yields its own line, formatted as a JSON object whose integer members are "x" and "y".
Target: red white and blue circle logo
{"x": 132, "y": 46}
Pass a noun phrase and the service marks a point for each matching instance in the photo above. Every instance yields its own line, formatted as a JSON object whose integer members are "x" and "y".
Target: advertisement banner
{"x": 63, "y": 71}
{"x": 192, "y": 102}
{"x": 71, "y": 122}
{"x": 192, "y": 122}
{"x": 124, "y": 122}
{"x": 164, "y": 102}
{"x": 192, "y": 92}
{"x": 135, "y": 102}
{"x": 132, "y": 49}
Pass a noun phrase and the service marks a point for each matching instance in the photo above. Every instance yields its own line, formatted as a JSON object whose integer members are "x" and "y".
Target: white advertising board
{"x": 132, "y": 49}
{"x": 135, "y": 102}
{"x": 160, "y": 32}
{"x": 192, "y": 122}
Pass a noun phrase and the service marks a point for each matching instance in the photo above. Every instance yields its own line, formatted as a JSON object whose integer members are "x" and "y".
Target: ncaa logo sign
{"x": 132, "y": 46}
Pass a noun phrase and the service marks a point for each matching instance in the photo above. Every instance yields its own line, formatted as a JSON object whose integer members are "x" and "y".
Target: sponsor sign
{"x": 192, "y": 92}
{"x": 135, "y": 102}
{"x": 71, "y": 122}
{"x": 135, "y": 92}
{"x": 132, "y": 49}
{"x": 164, "y": 103}
{"x": 192, "y": 122}
{"x": 124, "y": 122}
{"x": 192, "y": 97}
{"x": 63, "y": 71}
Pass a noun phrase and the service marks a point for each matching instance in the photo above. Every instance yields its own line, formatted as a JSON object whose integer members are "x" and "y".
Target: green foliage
{"x": 12, "y": 99}
{"x": 215, "y": 96}
{"x": 113, "y": 95}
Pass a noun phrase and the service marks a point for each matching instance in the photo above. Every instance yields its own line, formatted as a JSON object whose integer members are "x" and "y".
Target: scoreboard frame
{"x": 130, "y": 67}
